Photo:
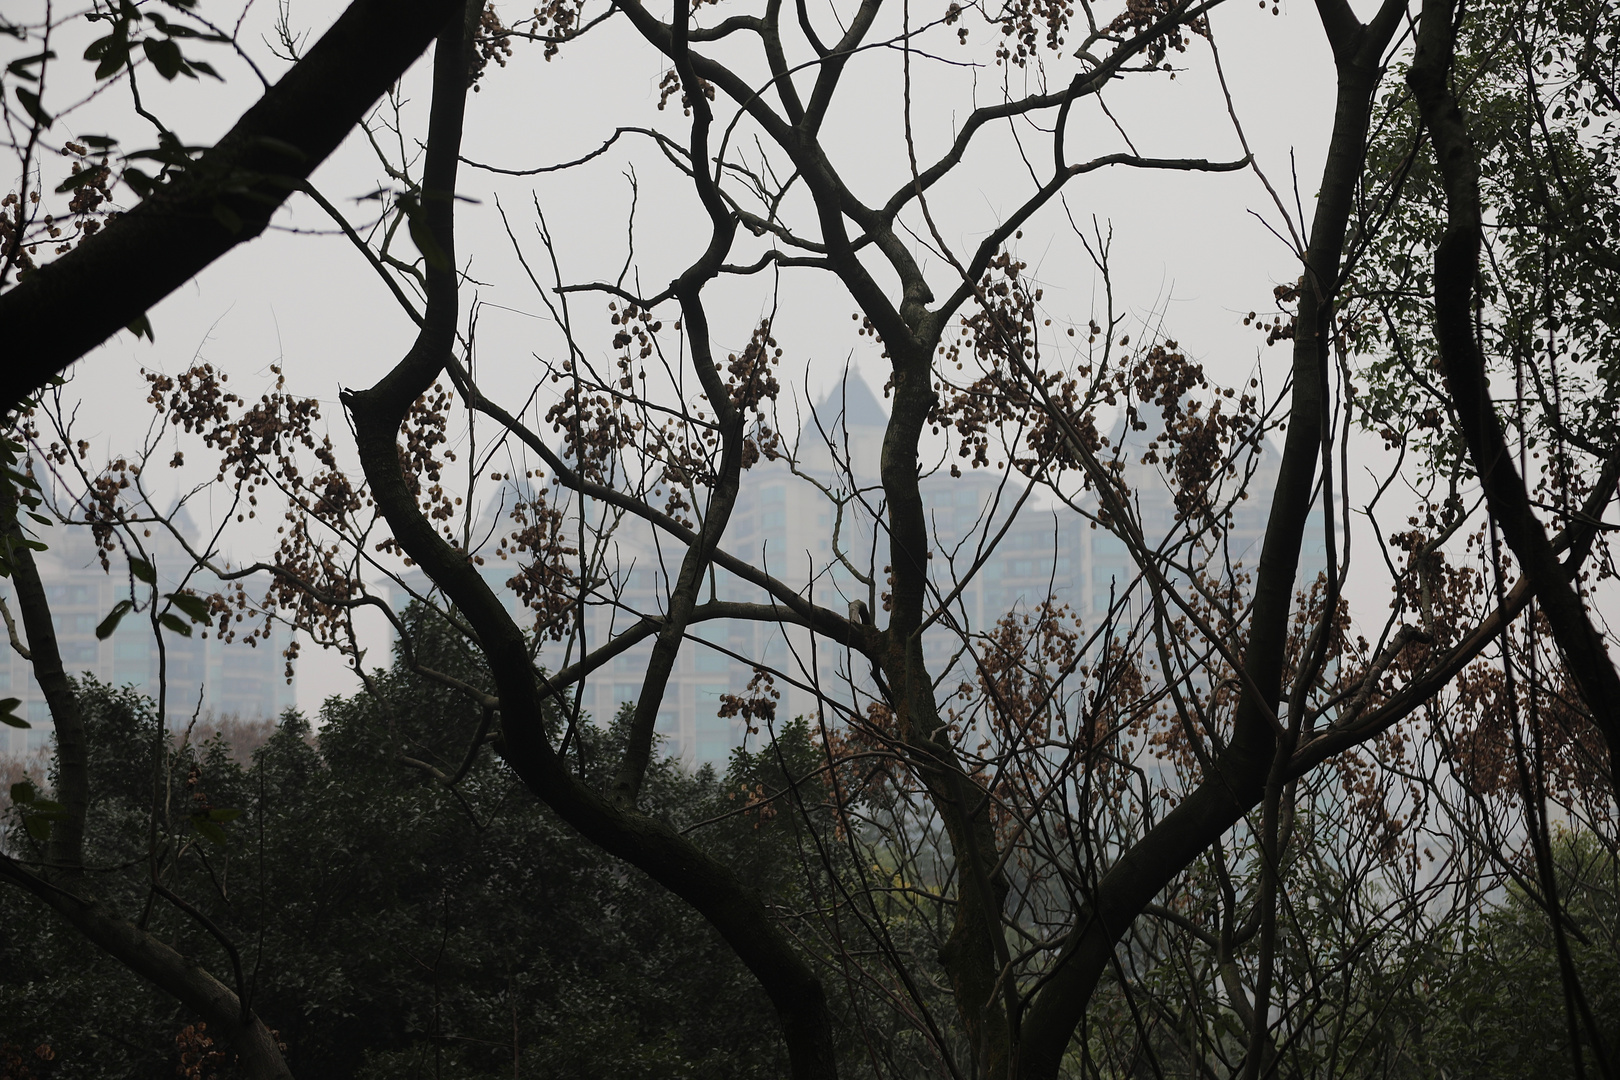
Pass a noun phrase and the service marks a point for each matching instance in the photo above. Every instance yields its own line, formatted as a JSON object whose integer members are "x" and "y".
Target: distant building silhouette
{"x": 785, "y": 524}
{"x": 203, "y": 673}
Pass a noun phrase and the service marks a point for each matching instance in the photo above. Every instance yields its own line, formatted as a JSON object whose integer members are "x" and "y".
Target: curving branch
{"x": 225, "y": 198}
{"x": 710, "y": 887}
{"x": 1456, "y": 269}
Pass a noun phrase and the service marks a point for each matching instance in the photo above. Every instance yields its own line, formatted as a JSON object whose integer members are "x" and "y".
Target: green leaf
{"x": 224, "y": 813}
{"x": 19, "y": 68}
{"x": 101, "y": 142}
{"x": 143, "y": 571}
{"x": 165, "y": 56}
{"x": 175, "y": 623}
{"x": 105, "y": 628}
{"x": 30, "y": 103}
{"x": 78, "y": 179}
{"x": 209, "y": 829}
{"x": 38, "y": 826}
{"x": 140, "y": 326}
{"x": 42, "y": 519}
{"x": 23, "y": 793}
{"x": 112, "y": 52}
{"x": 167, "y": 27}
{"x": 192, "y": 605}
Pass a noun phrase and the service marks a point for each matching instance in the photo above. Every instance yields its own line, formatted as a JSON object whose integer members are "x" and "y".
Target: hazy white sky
{"x": 1187, "y": 247}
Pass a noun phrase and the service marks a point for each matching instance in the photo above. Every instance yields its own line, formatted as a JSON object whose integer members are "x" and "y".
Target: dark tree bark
{"x": 733, "y": 907}
{"x": 180, "y": 976}
{"x": 1456, "y": 270}
{"x": 62, "y": 882}
{"x": 1241, "y": 772}
{"x": 64, "y": 855}
{"x": 64, "y": 309}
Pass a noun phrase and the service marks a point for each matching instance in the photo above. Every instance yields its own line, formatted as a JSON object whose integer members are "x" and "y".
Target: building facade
{"x": 202, "y": 674}
{"x": 788, "y": 522}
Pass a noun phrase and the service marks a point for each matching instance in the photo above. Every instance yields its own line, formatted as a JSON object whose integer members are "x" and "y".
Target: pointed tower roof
{"x": 851, "y": 403}
{"x": 184, "y": 524}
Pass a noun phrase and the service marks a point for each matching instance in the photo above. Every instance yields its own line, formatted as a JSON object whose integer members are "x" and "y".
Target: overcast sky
{"x": 1188, "y": 249}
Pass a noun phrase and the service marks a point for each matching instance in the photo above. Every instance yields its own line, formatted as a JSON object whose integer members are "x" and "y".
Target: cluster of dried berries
{"x": 756, "y": 705}
{"x": 88, "y": 185}
{"x": 751, "y": 375}
{"x": 15, "y": 1063}
{"x": 200, "y": 1057}
{"x": 864, "y": 765}
{"x": 15, "y": 245}
{"x": 312, "y": 583}
{"x": 547, "y": 581}
{"x": 90, "y": 179}
{"x": 593, "y": 425}
{"x": 424, "y": 432}
{"x": 1001, "y": 336}
{"x": 1196, "y": 441}
{"x": 1277, "y": 329}
{"x": 491, "y": 42}
{"x": 1025, "y": 26}
{"x": 256, "y": 446}
{"x": 757, "y": 801}
{"x": 1570, "y": 752}
{"x": 556, "y": 22}
{"x": 1141, "y": 16}
{"x": 1023, "y": 665}
{"x": 670, "y": 85}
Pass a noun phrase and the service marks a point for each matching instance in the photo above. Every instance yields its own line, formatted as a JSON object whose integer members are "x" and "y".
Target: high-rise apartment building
{"x": 203, "y": 674}
{"x": 787, "y": 521}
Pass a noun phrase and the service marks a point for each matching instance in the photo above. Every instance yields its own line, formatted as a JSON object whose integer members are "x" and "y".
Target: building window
{"x": 64, "y": 595}
{"x": 1106, "y": 543}
{"x": 635, "y": 660}
{"x": 715, "y": 740}
{"x": 132, "y": 646}
{"x": 75, "y": 623}
{"x": 711, "y": 662}
{"x": 78, "y": 652}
